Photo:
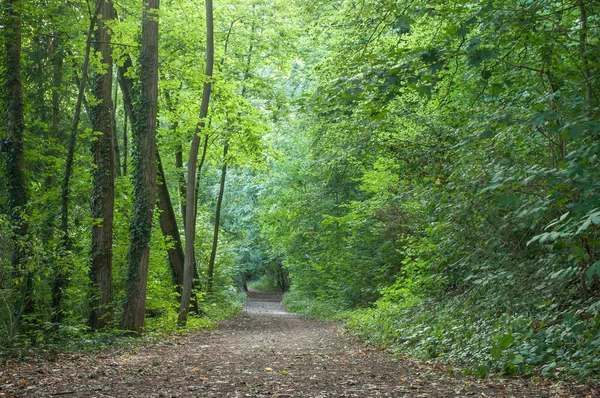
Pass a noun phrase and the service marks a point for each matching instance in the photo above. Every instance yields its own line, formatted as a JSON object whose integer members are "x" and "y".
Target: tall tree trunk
{"x": 125, "y": 149}
{"x": 59, "y": 278}
{"x": 168, "y": 222}
{"x": 103, "y": 178}
{"x": 168, "y": 226}
{"x": 213, "y": 252}
{"x": 144, "y": 175}
{"x": 583, "y": 31}
{"x": 15, "y": 153}
{"x": 190, "y": 223}
{"x": 57, "y": 79}
{"x": 117, "y": 152}
{"x": 74, "y": 129}
{"x": 197, "y": 188}
{"x": 181, "y": 181}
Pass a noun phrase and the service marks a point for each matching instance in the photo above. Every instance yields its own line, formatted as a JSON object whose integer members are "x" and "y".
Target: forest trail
{"x": 264, "y": 352}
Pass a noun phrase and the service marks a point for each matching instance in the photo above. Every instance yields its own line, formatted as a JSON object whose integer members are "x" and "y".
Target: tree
{"x": 15, "y": 154}
{"x": 190, "y": 216}
{"x": 213, "y": 251}
{"x": 59, "y": 278}
{"x": 103, "y": 175}
{"x": 144, "y": 174}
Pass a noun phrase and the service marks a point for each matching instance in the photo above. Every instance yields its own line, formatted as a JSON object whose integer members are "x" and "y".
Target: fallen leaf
{"x": 269, "y": 369}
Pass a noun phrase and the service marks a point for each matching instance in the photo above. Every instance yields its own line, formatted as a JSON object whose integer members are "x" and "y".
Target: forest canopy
{"x": 426, "y": 171}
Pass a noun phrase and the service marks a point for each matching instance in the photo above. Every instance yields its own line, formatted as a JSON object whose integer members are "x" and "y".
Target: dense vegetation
{"x": 426, "y": 170}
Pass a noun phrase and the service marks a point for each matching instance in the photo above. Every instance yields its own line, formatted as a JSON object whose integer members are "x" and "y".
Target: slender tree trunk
{"x": 168, "y": 226}
{"x": 55, "y": 132}
{"x": 59, "y": 278}
{"x": 74, "y": 129}
{"x": 125, "y": 149}
{"x": 103, "y": 178}
{"x": 181, "y": 182}
{"x": 583, "y": 31}
{"x": 144, "y": 176}
{"x": 57, "y": 80}
{"x": 115, "y": 136}
{"x": 190, "y": 223}
{"x": 15, "y": 153}
{"x": 213, "y": 252}
{"x": 197, "y": 189}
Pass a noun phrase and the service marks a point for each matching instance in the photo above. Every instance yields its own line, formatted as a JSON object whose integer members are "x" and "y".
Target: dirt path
{"x": 265, "y": 352}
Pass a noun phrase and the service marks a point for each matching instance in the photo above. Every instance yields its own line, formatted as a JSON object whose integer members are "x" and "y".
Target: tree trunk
{"x": 190, "y": 223}
{"x": 144, "y": 175}
{"x": 15, "y": 153}
{"x": 57, "y": 80}
{"x": 74, "y": 129}
{"x": 125, "y": 149}
{"x": 197, "y": 189}
{"x": 583, "y": 31}
{"x": 213, "y": 252}
{"x": 117, "y": 152}
{"x": 59, "y": 278}
{"x": 181, "y": 182}
{"x": 103, "y": 178}
{"x": 168, "y": 222}
{"x": 168, "y": 226}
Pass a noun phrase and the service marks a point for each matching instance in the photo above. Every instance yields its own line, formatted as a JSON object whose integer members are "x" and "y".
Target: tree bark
{"x": 15, "y": 153}
{"x": 197, "y": 189}
{"x": 59, "y": 278}
{"x": 125, "y": 149}
{"x": 74, "y": 129}
{"x": 213, "y": 252}
{"x": 583, "y": 29}
{"x": 181, "y": 182}
{"x": 144, "y": 175}
{"x": 168, "y": 222}
{"x": 103, "y": 178}
{"x": 168, "y": 226}
{"x": 117, "y": 152}
{"x": 57, "y": 80}
{"x": 190, "y": 223}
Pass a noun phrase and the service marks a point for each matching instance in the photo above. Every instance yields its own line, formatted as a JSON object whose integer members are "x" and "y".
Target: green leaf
{"x": 505, "y": 341}
{"x": 593, "y": 270}
{"x": 496, "y": 352}
{"x": 402, "y": 25}
{"x": 482, "y": 371}
{"x": 481, "y": 55}
{"x": 485, "y": 134}
{"x": 517, "y": 359}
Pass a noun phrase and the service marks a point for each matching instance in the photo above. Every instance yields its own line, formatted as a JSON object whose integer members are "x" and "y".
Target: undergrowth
{"x": 265, "y": 283}
{"x": 456, "y": 330}
{"x": 47, "y": 337}
{"x": 468, "y": 332}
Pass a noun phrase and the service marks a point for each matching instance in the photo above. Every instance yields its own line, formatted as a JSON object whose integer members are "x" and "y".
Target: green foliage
{"x": 297, "y": 301}
{"x": 441, "y": 168}
{"x": 265, "y": 283}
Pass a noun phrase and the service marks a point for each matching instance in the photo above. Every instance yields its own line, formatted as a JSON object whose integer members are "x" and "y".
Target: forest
{"x": 426, "y": 172}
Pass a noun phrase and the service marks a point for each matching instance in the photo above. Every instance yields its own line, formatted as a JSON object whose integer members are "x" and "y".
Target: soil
{"x": 264, "y": 352}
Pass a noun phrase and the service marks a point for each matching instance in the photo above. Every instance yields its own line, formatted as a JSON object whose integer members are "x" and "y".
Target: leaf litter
{"x": 264, "y": 352}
